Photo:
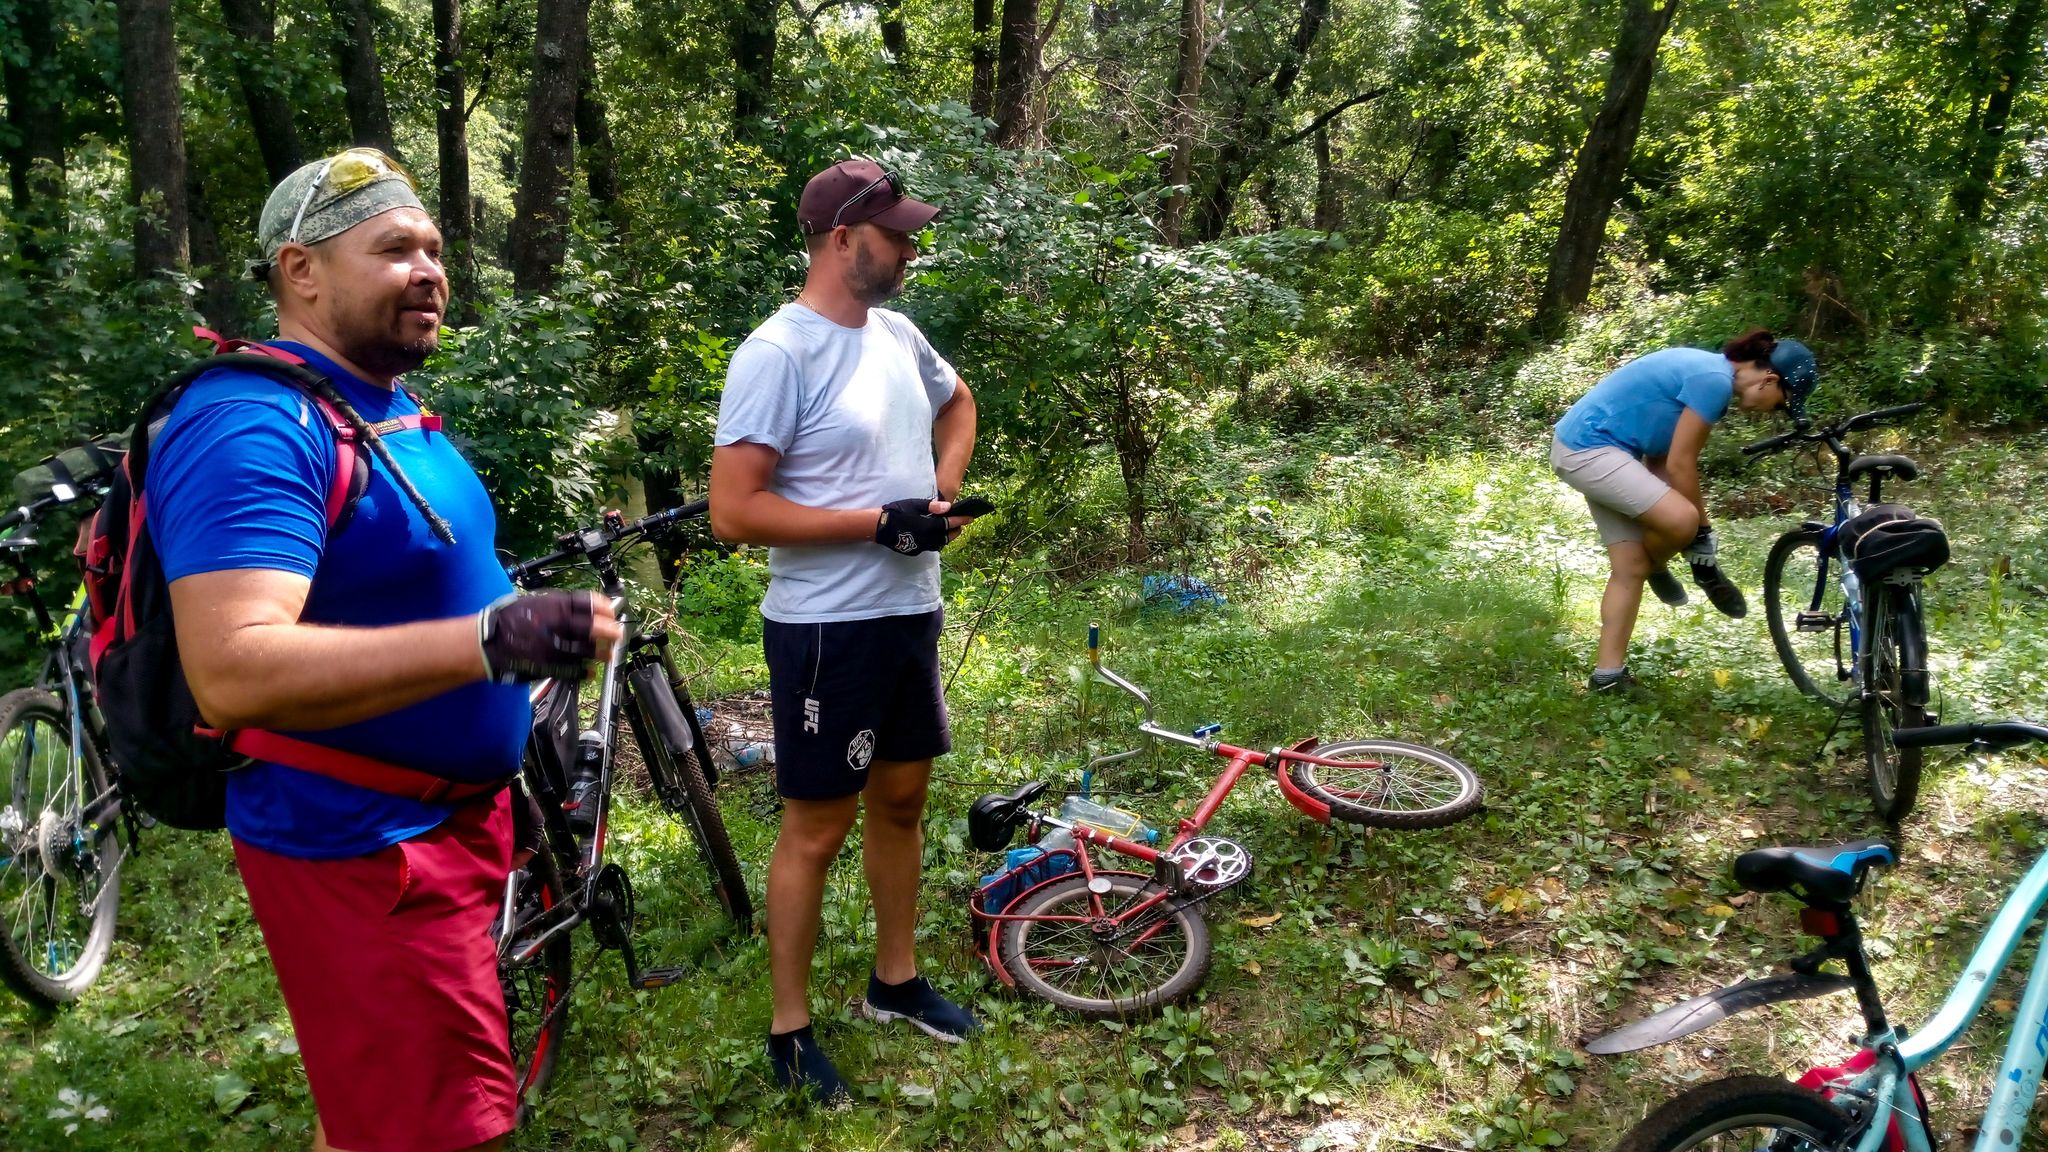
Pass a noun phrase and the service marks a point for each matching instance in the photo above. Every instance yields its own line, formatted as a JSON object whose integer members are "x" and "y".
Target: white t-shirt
{"x": 850, "y": 410}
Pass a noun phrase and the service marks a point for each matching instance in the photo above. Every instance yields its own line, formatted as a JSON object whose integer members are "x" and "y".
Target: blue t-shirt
{"x": 239, "y": 480}
{"x": 1636, "y": 406}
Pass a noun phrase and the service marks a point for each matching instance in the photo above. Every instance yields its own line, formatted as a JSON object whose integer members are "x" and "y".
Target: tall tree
{"x": 1017, "y": 74}
{"x": 35, "y": 113}
{"x": 451, "y": 129}
{"x": 2012, "y": 67}
{"x": 1253, "y": 118}
{"x": 753, "y": 65}
{"x": 1603, "y": 160}
{"x": 270, "y": 108}
{"x": 1329, "y": 210}
{"x": 594, "y": 143}
{"x": 540, "y": 221}
{"x": 362, "y": 78}
{"x": 156, "y": 136}
{"x": 981, "y": 99}
{"x": 1187, "y": 86}
{"x": 219, "y": 303}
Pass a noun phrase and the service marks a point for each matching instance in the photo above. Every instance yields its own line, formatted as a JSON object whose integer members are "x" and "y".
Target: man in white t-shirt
{"x": 842, "y": 439}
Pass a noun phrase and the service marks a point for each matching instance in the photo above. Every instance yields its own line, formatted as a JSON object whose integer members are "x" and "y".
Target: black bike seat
{"x": 992, "y": 820}
{"x": 1821, "y": 874}
{"x": 1898, "y": 466}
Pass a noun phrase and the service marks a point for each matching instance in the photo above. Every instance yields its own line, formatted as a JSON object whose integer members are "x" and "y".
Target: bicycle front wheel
{"x": 1156, "y": 958}
{"x": 1812, "y": 641}
{"x": 675, "y": 753}
{"x": 1389, "y": 784}
{"x": 1742, "y": 1114}
{"x": 1889, "y": 703}
{"x": 60, "y": 885}
{"x": 537, "y": 987}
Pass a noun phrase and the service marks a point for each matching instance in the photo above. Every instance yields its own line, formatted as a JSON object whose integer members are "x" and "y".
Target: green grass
{"x": 1430, "y": 986}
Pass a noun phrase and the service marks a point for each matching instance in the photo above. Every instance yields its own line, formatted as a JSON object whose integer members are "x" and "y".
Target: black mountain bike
{"x": 1851, "y": 636}
{"x": 562, "y": 804}
{"x": 60, "y": 807}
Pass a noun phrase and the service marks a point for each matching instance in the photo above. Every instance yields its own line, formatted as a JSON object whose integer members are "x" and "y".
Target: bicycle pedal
{"x": 652, "y": 978}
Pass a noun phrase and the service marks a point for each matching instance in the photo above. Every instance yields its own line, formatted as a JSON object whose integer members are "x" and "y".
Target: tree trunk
{"x": 753, "y": 63}
{"x": 156, "y": 137}
{"x": 362, "y": 77}
{"x": 540, "y": 224}
{"x": 35, "y": 112}
{"x": 270, "y": 109}
{"x": 981, "y": 99}
{"x": 1329, "y": 210}
{"x": 1985, "y": 142}
{"x": 1187, "y": 86}
{"x": 894, "y": 39}
{"x": 451, "y": 125}
{"x": 1251, "y": 124}
{"x": 219, "y": 304}
{"x": 594, "y": 140}
{"x": 1017, "y": 74}
{"x": 1603, "y": 160}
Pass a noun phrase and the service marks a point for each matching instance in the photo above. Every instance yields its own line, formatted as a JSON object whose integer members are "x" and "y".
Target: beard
{"x": 871, "y": 281}
{"x": 394, "y": 339}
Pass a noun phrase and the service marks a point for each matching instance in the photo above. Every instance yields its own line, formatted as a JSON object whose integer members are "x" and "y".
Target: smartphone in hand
{"x": 971, "y": 506}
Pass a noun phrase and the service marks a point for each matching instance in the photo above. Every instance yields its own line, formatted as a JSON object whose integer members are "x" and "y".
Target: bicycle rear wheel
{"x": 674, "y": 753}
{"x": 1889, "y": 703}
{"x": 1742, "y": 1114}
{"x": 1393, "y": 784}
{"x": 1158, "y": 958}
{"x": 536, "y": 988}
{"x": 1810, "y": 641}
{"x": 60, "y": 885}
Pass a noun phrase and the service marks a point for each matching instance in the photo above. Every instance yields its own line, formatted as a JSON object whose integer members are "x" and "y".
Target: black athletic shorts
{"x": 850, "y": 692}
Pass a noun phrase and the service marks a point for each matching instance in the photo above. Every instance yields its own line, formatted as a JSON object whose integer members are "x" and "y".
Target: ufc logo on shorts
{"x": 810, "y": 714}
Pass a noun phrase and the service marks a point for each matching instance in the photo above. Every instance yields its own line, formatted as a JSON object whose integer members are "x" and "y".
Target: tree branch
{"x": 1325, "y": 118}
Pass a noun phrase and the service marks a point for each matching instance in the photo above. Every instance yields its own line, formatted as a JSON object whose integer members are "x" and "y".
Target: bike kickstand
{"x": 1832, "y": 729}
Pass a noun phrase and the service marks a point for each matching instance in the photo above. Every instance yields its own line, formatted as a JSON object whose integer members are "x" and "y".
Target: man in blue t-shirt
{"x": 1632, "y": 445}
{"x": 379, "y": 640}
{"x": 838, "y": 427}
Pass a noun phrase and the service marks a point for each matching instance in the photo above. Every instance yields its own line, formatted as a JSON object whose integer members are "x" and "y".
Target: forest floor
{"x": 1371, "y": 989}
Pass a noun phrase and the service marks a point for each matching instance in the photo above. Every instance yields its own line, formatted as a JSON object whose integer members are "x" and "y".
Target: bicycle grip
{"x": 1769, "y": 444}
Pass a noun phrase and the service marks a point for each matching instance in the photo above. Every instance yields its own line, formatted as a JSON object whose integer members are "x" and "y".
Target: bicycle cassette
{"x": 1212, "y": 863}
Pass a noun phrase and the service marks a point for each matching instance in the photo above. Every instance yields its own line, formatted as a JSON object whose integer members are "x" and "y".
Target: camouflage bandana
{"x": 328, "y": 197}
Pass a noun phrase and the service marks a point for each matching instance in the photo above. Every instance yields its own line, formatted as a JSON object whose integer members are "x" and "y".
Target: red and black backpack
{"x": 171, "y": 762}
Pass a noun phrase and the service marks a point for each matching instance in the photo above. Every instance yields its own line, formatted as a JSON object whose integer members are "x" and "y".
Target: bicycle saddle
{"x": 992, "y": 821}
{"x": 1898, "y": 466}
{"x": 1822, "y": 874}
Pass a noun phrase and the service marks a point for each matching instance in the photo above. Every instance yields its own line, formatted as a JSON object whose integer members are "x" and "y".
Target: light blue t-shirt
{"x": 850, "y": 410}
{"x": 1636, "y": 406}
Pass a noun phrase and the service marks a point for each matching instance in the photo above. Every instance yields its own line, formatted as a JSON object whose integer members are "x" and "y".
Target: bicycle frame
{"x": 2026, "y": 1051}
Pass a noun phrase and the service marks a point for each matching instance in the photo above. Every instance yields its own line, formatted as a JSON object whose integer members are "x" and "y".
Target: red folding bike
{"x": 1116, "y": 941}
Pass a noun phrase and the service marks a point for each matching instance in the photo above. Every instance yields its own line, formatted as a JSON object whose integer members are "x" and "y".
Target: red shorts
{"x": 388, "y": 968}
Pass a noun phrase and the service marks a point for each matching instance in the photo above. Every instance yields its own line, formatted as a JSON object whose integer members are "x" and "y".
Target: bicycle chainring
{"x": 611, "y": 908}
{"x": 1212, "y": 863}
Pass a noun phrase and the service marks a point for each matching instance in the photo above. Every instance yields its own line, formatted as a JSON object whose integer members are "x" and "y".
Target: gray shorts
{"x": 1618, "y": 487}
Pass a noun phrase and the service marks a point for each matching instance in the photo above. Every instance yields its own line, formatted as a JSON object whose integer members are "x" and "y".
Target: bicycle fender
{"x": 1913, "y": 678}
{"x": 1702, "y": 1012}
{"x": 1311, "y": 807}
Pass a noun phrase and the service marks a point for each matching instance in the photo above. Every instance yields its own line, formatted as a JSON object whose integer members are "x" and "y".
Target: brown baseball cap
{"x": 853, "y": 191}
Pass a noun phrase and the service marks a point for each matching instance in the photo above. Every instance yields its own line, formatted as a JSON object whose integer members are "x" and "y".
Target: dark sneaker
{"x": 1667, "y": 587}
{"x": 917, "y": 1001}
{"x": 1721, "y": 591}
{"x": 1622, "y": 683}
{"x": 799, "y": 1063}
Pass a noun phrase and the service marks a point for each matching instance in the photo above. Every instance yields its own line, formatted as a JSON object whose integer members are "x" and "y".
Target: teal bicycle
{"x": 1873, "y": 1100}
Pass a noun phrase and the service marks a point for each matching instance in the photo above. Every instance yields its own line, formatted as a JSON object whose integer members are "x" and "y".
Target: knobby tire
{"x": 1809, "y": 657}
{"x": 537, "y": 992}
{"x": 1894, "y": 772}
{"x": 51, "y": 869}
{"x": 673, "y": 751}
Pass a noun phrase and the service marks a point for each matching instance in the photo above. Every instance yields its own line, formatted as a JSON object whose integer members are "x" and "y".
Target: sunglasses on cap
{"x": 887, "y": 177}
{"x": 343, "y": 174}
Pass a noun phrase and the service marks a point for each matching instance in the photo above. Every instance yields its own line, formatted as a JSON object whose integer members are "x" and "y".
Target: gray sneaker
{"x": 1623, "y": 685}
{"x": 1667, "y": 588}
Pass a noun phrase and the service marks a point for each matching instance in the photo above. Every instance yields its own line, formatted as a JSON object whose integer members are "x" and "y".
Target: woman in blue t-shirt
{"x": 1632, "y": 446}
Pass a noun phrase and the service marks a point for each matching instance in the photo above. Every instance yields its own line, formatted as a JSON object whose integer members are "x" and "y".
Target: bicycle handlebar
{"x": 1992, "y": 734}
{"x": 1804, "y": 435}
{"x": 585, "y": 541}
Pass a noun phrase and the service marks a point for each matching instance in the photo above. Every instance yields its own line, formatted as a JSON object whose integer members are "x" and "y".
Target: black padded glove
{"x": 909, "y": 527}
{"x": 543, "y": 636}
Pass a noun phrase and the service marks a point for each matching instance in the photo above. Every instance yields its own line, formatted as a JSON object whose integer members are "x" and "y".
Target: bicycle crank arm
{"x": 1701, "y": 1012}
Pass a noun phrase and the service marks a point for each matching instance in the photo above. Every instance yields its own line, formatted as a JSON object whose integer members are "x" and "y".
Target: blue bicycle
{"x": 1858, "y": 640}
{"x": 1873, "y": 1100}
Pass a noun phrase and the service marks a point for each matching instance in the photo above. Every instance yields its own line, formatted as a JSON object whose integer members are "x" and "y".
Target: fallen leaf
{"x": 1669, "y": 929}
{"x": 1252, "y": 966}
{"x": 1261, "y": 921}
{"x": 1720, "y": 911}
{"x": 1721, "y": 677}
